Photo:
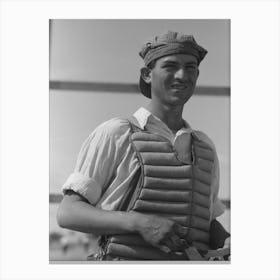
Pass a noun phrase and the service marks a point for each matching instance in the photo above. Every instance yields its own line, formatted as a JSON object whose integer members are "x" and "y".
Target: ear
{"x": 146, "y": 74}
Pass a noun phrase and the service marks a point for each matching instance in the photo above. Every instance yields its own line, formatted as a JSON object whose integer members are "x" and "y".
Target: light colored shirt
{"x": 107, "y": 161}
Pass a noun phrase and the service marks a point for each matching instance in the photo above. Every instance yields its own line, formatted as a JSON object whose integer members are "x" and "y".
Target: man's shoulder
{"x": 205, "y": 138}
{"x": 113, "y": 127}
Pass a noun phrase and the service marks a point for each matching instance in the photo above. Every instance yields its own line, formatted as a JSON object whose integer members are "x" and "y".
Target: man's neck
{"x": 171, "y": 116}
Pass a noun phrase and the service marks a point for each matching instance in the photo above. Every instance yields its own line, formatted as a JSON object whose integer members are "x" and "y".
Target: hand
{"x": 162, "y": 233}
{"x": 220, "y": 254}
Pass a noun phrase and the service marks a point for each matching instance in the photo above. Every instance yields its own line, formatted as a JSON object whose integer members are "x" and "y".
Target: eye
{"x": 191, "y": 68}
{"x": 169, "y": 66}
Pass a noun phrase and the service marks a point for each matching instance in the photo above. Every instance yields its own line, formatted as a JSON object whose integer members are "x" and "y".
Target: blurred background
{"x": 94, "y": 72}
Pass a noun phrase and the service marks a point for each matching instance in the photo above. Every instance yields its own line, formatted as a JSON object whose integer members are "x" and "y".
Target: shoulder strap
{"x": 135, "y": 180}
{"x": 129, "y": 193}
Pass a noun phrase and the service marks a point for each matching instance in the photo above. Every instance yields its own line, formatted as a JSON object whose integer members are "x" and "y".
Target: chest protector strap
{"x": 169, "y": 188}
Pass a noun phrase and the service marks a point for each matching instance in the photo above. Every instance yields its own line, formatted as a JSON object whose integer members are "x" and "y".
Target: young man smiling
{"x": 148, "y": 185}
{"x": 172, "y": 79}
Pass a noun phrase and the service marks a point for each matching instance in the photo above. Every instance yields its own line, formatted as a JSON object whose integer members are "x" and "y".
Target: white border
{"x": 254, "y": 130}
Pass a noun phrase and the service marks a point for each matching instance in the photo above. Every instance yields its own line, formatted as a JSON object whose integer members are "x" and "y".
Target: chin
{"x": 182, "y": 94}
{"x": 180, "y": 99}
{"x": 177, "y": 102}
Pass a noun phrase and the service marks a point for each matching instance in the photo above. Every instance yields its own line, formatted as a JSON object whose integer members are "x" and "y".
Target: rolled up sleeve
{"x": 96, "y": 162}
{"x": 85, "y": 186}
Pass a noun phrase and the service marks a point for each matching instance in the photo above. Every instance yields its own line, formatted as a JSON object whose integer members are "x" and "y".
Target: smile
{"x": 179, "y": 86}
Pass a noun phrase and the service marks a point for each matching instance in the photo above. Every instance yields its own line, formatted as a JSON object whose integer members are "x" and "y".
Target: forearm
{"x": 76, "y": 213}
{"x": 81, "y": 216}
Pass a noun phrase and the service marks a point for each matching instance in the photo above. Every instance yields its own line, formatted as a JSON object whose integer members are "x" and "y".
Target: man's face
{"x": 173, "y": 79}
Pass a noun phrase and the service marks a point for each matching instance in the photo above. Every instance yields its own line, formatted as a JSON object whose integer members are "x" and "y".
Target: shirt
{"x": 107, "y": 161}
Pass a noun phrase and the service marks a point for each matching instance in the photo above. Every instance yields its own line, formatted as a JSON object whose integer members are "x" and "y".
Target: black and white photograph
{"x": 140, "y": 140}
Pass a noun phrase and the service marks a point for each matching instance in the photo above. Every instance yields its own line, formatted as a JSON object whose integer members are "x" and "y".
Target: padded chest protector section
{"x": 171, "y": 189}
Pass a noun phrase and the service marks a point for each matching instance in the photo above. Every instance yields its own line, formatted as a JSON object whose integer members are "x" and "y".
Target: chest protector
{"x": 169, "y": 188}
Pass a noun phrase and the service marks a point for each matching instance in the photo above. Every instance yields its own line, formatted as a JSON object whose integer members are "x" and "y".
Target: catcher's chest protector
{"x": 170, "y": 188}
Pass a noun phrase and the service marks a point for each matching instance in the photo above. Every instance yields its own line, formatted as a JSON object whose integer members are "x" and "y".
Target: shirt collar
{"x": 142, "y": 116}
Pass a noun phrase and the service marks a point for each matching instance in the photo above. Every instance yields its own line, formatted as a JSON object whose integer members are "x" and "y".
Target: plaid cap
{"x": 168, "y": 44}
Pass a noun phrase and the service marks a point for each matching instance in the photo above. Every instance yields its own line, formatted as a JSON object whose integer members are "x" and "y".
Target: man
{"x": 148, "y": 185}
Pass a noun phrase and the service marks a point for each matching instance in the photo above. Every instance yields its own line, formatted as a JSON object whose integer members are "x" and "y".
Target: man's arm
{"x": 76, "y": 213}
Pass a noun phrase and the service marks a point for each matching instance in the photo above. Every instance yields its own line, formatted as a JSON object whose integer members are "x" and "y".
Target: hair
{"x": 152, "y": 64}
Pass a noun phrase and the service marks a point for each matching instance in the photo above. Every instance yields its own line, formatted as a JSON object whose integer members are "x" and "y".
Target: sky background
{"x": 107, "y": 51}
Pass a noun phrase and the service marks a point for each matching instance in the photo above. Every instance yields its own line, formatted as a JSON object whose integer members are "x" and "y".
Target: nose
{"x": 180, "y": 74}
